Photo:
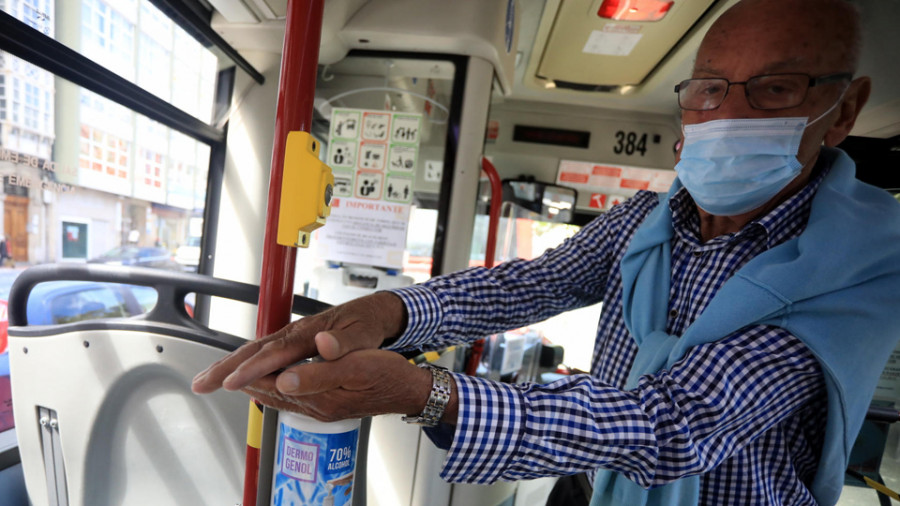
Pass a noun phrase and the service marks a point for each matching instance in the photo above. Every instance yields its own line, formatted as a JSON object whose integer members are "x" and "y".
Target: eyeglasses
{"x": 773, "y": 91}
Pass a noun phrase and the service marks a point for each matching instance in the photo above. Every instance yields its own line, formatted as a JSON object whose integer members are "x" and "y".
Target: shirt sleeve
{"x": 676, "y": 423}
{"x": 477, "y": 302}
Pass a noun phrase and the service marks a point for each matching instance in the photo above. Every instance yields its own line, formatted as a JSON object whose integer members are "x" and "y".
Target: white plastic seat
{"x": 124, "y": 425}
{"x": 103, "y": 409}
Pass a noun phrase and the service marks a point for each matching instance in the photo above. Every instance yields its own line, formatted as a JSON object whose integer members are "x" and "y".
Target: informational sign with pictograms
{"x": 383, "y": 145}
{"x": 605, "y": 202}
{"x": 369, "y": 184}
{"x": 397, "y": 188}
{"x": 345, "y": 124}
{"x": 434, "y": 171}
{"x": 402, "y": 158}
{"x": 374, "y": 156}
{"x": 342, "y": 154}
{"x": 376, "y": 126}
{"x": 608, "y": 184}
{"x": 405, "y": 129}
{"x": 343, "y": 184}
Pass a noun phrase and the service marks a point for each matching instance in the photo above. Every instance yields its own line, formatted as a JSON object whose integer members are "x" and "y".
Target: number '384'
{"x": 630, "y": 143}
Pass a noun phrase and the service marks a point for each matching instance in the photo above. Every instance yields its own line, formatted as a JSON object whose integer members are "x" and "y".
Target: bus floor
{"x": 889, "y": 470}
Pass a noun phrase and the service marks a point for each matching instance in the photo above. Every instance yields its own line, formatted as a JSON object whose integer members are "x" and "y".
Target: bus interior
{"x": 139, "y": 141}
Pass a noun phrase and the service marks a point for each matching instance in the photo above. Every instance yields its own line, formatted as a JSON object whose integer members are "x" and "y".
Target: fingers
{"x": 357, "y": 371}
{"x": 360, "y": 324}
{"x": 253, "y": 360}
{"x": 311, "y": 378}
{"x": 321, "y": 408}
{"x": 363, "y": 383}
{"x": 270, "y": 357}
{"x": 212, "y": 377}
{"x": 273, "y": 399}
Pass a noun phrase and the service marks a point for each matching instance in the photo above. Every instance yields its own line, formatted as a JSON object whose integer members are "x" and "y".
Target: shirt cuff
{"x": 488, "y": 432}
{"x": 424, "y": 315}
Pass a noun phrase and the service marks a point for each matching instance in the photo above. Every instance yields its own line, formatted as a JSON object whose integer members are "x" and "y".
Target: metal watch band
{"x": 437, "y": 400}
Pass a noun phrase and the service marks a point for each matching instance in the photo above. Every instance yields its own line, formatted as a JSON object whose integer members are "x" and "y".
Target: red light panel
{"x": 635, "y": 10}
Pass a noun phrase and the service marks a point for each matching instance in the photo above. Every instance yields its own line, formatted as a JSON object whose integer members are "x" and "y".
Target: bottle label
{"x": 313, "y": 468}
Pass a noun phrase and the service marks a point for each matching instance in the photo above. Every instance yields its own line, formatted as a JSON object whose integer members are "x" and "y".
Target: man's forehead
{"x": 777, "y": 65}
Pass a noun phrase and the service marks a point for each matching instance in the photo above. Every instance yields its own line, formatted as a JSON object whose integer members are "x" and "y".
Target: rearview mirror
{"x": 553, "y": 203}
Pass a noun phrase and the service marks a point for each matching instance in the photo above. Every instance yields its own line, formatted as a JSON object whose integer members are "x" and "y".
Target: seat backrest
{"x": 103, "y": 409}
{"x": 122, "y": 425}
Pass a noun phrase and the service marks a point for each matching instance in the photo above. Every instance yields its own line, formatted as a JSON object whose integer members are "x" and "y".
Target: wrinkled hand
{"x": 361, "y": 383}
{"x": 363, "y": 323}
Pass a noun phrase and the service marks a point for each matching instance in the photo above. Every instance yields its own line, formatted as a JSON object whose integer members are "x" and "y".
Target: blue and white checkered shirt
{"x": 745, "y": 413}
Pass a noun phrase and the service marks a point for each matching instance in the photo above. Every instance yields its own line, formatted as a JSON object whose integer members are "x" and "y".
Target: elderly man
{"x": 741, "y": 311}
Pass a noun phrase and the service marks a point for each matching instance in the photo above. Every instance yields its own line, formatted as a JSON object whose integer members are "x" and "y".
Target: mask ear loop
{"x": 840, "y": 100}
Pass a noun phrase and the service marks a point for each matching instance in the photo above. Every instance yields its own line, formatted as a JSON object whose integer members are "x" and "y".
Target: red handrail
{"x": 494, "y": 213}
{"x": 296, "y": 91}
{"x": 491, "y": 247}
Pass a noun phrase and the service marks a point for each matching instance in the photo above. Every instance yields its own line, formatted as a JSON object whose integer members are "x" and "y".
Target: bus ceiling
{"x": 585, "y": 53}
{"x": 430, "y": 26}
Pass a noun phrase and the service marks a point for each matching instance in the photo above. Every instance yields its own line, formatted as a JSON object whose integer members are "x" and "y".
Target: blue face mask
{"x": 733, "y": 166}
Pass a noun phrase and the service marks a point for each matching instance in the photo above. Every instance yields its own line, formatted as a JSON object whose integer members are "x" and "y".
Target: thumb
{"x": 309, "y": 378}
{"x": 334, "y": 344}
{"x": 328, "y": 346}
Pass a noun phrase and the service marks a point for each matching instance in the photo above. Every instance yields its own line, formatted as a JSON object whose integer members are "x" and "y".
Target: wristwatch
{"x": 437, "y": 401}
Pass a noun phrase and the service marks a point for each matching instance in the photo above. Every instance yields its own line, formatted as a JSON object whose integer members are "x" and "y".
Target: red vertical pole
{"x": 490, "y": 249}
{"x": 494, "y": 213}
{"x": 296, "y": 90}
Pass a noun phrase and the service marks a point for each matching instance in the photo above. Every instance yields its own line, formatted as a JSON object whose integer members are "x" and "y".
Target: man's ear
{"x": 856, "y": 97}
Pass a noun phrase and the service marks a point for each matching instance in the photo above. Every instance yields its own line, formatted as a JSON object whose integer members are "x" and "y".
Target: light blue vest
{"x": 836, "y": 287}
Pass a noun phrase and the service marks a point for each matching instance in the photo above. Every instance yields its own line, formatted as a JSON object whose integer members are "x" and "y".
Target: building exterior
{"x": 82, "y": 174}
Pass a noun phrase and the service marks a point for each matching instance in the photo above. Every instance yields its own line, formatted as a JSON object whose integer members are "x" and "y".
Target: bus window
{"x": 131, "y": 38}
{"x": 525, "y": 234}
{"x": 86, "y": 179}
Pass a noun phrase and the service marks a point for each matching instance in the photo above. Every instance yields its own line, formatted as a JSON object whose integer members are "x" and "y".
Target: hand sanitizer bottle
{"x": 314, "y": 461}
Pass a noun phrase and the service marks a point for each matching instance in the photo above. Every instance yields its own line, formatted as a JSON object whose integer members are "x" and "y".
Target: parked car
{"x": 70, "y": 301}
{"x": 139, "y": 256}
{"x": 188, "y": 255}
{"x": 55, "y": 302}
